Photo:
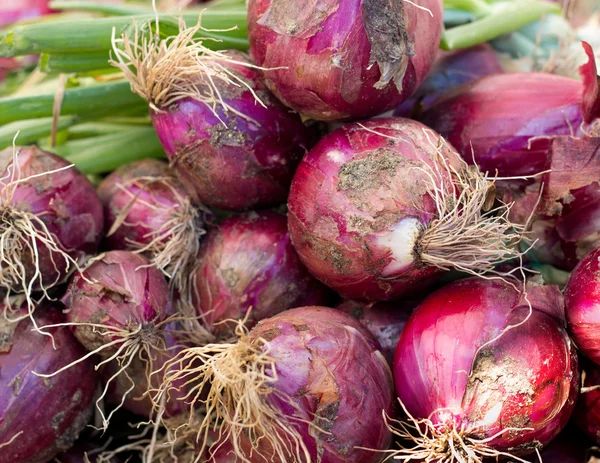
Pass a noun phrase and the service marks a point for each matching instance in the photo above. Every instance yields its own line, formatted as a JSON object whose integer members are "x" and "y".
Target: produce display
{"x": 272, "y": 231}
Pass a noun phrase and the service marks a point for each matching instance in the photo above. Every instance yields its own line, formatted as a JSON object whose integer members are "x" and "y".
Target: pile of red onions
{"x": 348, "y": 59}
{"x": 506, "y": 123}
{"x": 147, "y": 210}
{"x": 117, "y": 306}
{"x": 484, "y": 361}
{"x": 50, "y": 217}
{"x": 248, "y": 263}
{"x": 379, "y": 209}
{"x": 305, "y": 385}
{"x": 450, "y": 70}
{"x": 40, "y": 417}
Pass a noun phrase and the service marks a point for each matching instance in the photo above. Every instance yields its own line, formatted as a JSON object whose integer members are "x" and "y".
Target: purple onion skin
{"x": 569, "y": 447}
{"x": 330, "y": 365}
{"x": 244, "y": 165}
{"x": 65, "y": 201}
{"x": 155, "y": 202}
{"x": 120, "y": 290}
{"x": 48, "y": 412}
{"x": 492, "y": 120}
{"x": 348, "y": 195}
{"x": 582, "y": 299}
{"x": 384, "y": 320}
{"x": 587, "y": 411}
{"x": 506, "y": 388}
{"x": 318, "y": 53}
{"x": 249, "y": 261}
{"x": 450, "y": 70}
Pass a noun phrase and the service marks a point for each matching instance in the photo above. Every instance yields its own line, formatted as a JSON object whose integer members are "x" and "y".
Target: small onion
{"x": 40, "y": 417}
{"x": 310, "y": 365}
{"x": 334, "y": 60}
{"x": 582, "y": 299}
{"x": 373, "y": 211}
{"x": 147, "y": 210}
{"x": 450, "y": 70}
{"x": 117, "y": 306}
{"x": 248, "y": 262}
{"x": 384, "y": 320}
{"x": 505, "y": 123}
{"x": 50, "y": 217}
{"x": 481, "y": 359}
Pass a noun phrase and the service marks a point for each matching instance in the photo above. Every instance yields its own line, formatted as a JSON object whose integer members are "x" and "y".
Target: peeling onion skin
{"x": 348, "y": 196}
{"x": 242, "y": 165}
{"x": 506, "y": 388}
{"x": 493, "y": 119}
{"x": 123, "y": 291}
{"x": 582, "y": 299}
{"x": 329, "y": 363}
{"x": 65, "y": 201}
{"x": 324, "y": 52}
{"x": 384, "y": 320}
{"x": 587, "y": 411}
{"x": 248, "y": 261}
{"x": 50, "y": 412}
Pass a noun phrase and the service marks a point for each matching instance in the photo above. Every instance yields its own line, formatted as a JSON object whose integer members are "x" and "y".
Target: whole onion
{"x": 50, "y": 217}
{"x": 334, "y": 60}
{"x": 505, "y": 123}
{"x": 480, "y": 359}
{"x": 305, "y": 385}
{"x": 117, "y": 306}
{"x": 147, "y": 210}
{"x": 384, "y": 320}
{"x": 248, "y": 262}
{"x": 450, "y": 70}
{"x": 232, "y": 143}
{"x": 40, "y": 417}
{"x": 582, "y": 300}
{"x": 379, "y": 209}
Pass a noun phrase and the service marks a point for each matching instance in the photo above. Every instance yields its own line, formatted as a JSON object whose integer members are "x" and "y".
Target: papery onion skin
{"x": 121, "y": 290}
{"x": 153, "y": 201}
{"x": 384, "y": 320}
{"x": 582, "y": 300}
{"x": 450, "y": 70}
{"x": 349, "y": 195}
{"x": 47, "y": 413}
{"x": 323, "y": 57}
{"x": 248, "y": 261}
{"x": 504, "y": 123}
{"x": 247, "y": 163}
{"x": 64, "y": 200}
{"x": 329, "y": 364}
{"x": 505, "y": 388}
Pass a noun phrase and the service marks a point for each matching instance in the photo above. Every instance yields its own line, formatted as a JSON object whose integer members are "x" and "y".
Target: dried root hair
{"x": 174, "y": 246}
{"x": 22, "y": 235}
{"x": 137, "y": 342}
{"x": 442, "y": 442}
{"x": 469, "y": 233}
{"x": 166, "y": 71}
{"x": 238, "y": 379}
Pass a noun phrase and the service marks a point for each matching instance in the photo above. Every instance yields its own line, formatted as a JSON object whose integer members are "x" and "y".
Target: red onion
{"x": 51, "y": 217}
{"x": 384, "y": 320}
{"x": 306, "y": 382}
{"x": 506, "y": 123}
{"x": 475, "y": 360}
{"x": 22, "y": 10}
{"x": 379, "y": 209}
{"x": 248, "y": 261}
{"x": 231, "y": 141}
{"x": 116, "y": 307}
{"x": 582, "y": 299}
{"x": 147, "y": 210}
{"x": 39, "y": 417}
{"x": 333, "y": 60}
{"x": 450, "y": 70}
